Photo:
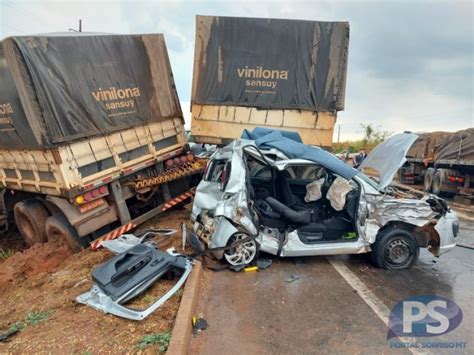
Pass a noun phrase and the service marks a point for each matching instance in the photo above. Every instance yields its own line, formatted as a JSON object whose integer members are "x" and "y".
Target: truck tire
{"x": 30, "y": 218}
{"x": 59, "y": 228}
{"x": 428, "y": 179}
{"x": 395, "y": 248}
{"x": 438, "y": 181}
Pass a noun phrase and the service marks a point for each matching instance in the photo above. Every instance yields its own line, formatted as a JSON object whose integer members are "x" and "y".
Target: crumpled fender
{"x": 224, "y": 230}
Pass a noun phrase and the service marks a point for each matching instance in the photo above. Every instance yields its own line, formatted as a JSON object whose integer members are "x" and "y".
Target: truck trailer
{"x": 281, "y": 74}
{"x": 444, "y": 163}
{"x": 91, "y": 136}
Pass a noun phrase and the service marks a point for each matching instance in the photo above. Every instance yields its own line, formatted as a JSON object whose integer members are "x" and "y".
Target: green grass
{"x": 161, "y": 339}
{"x": 17, "y": 327}
{"x": 36, "y": 317}
{"x": 148, "y": 299}
{"x": 6, "y": 253}
{"x": 179, "y": 293}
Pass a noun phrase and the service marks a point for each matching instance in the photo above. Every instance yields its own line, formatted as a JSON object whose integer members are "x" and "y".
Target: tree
{"x": 373, "y": 136}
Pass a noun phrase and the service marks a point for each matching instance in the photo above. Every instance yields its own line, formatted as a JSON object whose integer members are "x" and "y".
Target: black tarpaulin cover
{"x": 459, "y": 146}
{"x": 270, "y": 63}
{"x": 83, "y": 85}
{"x": 451, "y": 146}
{"x": 15, "y": 131}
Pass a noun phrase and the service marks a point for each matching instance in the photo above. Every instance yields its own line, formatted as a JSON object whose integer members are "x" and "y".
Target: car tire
{"x": 428, "y": 179}
{"x": 243, "y": 254}
{"x": 395, "y": 248}
{"x": 30, "y": 218}
{"x": 59, "y": 228}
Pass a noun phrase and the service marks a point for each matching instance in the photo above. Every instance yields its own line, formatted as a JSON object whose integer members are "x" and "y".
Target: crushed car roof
{"x": 294, "y": 149}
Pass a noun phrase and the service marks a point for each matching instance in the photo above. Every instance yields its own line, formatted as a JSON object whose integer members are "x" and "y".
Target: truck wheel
{"x": 30, "y": 218}
{"x": 428, "y": 179}
{"x": 395, "y": 248}
{"x": 438, "y": 180}
{"x": 59, "y": 228}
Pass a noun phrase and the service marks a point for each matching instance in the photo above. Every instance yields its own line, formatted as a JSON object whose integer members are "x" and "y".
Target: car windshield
{"x": 369, "y": 181}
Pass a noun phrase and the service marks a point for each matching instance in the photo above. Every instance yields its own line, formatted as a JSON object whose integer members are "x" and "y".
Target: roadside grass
{"x": 31, "y": 318}
{"x": 6, "y": 253}
{"x": 15, "y": 328}
{"x": 179, "y": 293}
{"x": 148, "y": 299}
{"x": 161, "y": 339}
{"x": 36, "y": 317}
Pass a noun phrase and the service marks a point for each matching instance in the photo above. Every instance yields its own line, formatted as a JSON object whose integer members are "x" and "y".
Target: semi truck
{"x": 280, "y": 74}
{"x": 91, "y": 136}
{"x": 444, "y": 163}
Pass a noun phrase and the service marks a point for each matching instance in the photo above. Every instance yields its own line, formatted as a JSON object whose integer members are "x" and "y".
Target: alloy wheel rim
{"x": 243, "y": 253}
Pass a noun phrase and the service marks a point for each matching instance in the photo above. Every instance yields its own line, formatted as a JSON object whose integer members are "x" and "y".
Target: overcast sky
{"x": 410, "y": 62}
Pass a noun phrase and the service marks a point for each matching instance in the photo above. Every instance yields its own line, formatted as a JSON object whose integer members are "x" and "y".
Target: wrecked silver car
{"x": 277, "y": 195}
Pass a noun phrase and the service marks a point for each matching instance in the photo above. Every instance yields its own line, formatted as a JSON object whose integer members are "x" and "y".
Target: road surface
{"x": 337, "y": 304}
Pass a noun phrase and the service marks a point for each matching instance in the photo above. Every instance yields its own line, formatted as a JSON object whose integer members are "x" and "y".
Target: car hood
{"x": 389, "y": 156}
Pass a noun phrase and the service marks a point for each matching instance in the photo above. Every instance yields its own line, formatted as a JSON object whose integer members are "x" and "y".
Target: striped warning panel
{"x": 112, "y": 235}
{"x": 174, "y": 201}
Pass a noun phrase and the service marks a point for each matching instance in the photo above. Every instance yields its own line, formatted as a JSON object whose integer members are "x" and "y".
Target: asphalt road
{"x": 337, "y": 304}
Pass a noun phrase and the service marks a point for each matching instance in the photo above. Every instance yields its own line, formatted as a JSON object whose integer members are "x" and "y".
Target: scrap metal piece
{"x": 183, "y": 234}
{"x": 264, "y": 263}
{"x": 292, "y": 278}
{"x": 122, "y": 243}
{"x": 129, "y": 274}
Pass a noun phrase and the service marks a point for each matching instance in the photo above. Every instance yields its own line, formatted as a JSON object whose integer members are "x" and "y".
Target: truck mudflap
{"x": 127, "y": 275}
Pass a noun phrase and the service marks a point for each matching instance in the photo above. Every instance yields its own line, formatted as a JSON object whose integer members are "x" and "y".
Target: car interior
{"x": 281, "y": 201}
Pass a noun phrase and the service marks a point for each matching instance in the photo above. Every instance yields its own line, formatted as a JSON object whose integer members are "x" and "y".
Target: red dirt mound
{"x": 35, "y": 260}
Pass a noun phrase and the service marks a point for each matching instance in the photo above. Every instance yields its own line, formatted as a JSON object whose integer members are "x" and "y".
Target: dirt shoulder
{"x": 46, "y": 279}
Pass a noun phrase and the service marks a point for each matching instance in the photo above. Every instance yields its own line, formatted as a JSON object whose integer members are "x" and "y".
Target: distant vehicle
{"x": 291, "y": 75}
{"x": 91, "y": 135}
{"x": 443, "y": 162}
{"x": 312, "y": 203}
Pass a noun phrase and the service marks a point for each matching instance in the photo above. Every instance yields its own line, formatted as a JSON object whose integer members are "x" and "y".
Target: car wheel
{"x": 59, "y": 228}
{"x": 428, "y": 179}
{"x": 30, "y": 217}
{"x": 395, "y": 248}
{"x": 242, "y": 254}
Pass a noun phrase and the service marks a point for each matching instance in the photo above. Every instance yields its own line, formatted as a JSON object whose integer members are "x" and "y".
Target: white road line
{"x": 379, "y": 308}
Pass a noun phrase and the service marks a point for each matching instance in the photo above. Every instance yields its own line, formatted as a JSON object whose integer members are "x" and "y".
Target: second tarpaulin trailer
{"x": 281, "y": 74}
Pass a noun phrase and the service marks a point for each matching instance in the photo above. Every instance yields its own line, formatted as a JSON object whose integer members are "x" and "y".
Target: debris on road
{"x": 292, "y": 278}
{"x": 127, "y": 241}
{"x": 183, "y": 235}
{"x": 122, "y": 243}
{"x": 129, "y": 274}
{"x": 264, "y": 263}
{"x": 199, "y": 324}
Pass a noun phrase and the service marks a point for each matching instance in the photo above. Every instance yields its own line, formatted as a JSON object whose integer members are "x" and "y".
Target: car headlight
{"x": 455, "y": 228}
